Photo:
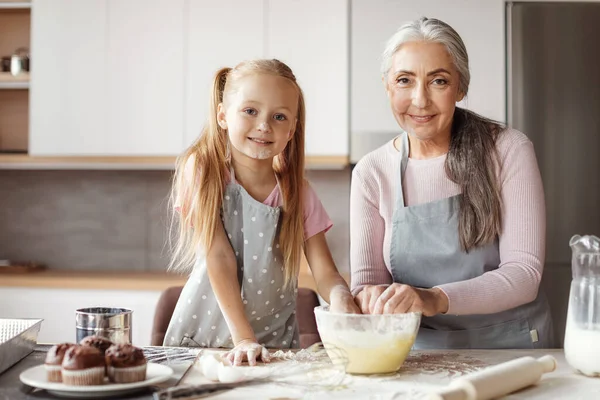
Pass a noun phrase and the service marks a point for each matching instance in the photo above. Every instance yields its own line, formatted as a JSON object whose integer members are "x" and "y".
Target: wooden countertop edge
{"x": 161, "y": 162}
{"x": 108, "y": 280}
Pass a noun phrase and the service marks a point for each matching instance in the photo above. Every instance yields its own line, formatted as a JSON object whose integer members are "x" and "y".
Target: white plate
{"x": 37, "y": 377}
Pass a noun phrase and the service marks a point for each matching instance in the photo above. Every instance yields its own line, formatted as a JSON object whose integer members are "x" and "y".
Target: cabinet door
{"x": 145, "y": 77}
{"x": 68, "y": 86}
{"x": 479, "y": 23}
{"x": 218, "y": 34}
{"x": 311, "y": 36}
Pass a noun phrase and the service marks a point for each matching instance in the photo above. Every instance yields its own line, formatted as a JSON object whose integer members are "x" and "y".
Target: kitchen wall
{"x": 117, "y": 220}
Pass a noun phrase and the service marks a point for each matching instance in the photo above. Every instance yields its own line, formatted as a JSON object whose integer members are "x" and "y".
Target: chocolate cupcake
{"x": 83, "y": 366}
{"x": 125, "y": 363}
{"x": 99, "y": 342}
{"x": 54, "y": 359}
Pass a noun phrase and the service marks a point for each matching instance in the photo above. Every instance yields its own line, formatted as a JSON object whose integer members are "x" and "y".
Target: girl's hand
{"x": 248, "y": 350}
{"x": 342, "y": 301}
{"x": 398, "y": 298}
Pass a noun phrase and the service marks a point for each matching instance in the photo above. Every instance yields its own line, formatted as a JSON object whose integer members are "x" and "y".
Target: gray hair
{"x": 472, "y": 158}
{"x": 430, "y": 30}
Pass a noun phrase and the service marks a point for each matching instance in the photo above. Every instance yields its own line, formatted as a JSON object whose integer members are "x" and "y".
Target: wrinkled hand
{"x": 247, "y": 350}
{"x": 398, "y": 298}
{"x": 342, "y": 301}
{"x": 368, "y": 296}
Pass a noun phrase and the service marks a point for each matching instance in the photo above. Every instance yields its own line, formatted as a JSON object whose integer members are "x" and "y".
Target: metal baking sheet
{"x": 18, "y": 338}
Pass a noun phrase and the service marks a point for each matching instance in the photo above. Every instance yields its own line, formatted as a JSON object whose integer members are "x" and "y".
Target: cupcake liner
{"x": 128, "y": 374}
{"x": 53, "y": 373}
{"x": 83, "y": 377}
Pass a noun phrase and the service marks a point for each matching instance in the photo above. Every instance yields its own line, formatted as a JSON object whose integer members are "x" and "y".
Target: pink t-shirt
{"x": 316, "y": 219}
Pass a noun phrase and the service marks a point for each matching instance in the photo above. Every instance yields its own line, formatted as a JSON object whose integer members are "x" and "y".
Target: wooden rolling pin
{"x": 499, "y": 380}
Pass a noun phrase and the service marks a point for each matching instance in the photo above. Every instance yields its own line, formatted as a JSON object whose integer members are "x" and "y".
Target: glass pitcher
{"x": 582, "y": 336}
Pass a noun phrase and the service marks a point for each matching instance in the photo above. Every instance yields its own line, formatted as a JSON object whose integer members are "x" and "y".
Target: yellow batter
{"x": 370, "y": 356}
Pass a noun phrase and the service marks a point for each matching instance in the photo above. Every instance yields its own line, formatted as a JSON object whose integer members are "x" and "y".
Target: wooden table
{"x": 423, "y": 372}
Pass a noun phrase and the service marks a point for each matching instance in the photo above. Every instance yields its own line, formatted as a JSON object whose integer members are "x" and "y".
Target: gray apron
{"x": 252, "y": 229}
{"x": 425, "y": 252}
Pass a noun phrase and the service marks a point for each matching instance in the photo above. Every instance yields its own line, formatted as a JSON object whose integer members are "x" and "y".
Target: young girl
{"x": 246, "y": 214}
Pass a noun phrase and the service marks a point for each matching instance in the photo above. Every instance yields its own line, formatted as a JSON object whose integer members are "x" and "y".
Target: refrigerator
{"x": 553, "y": 96}
{"x": 553, "y": 93}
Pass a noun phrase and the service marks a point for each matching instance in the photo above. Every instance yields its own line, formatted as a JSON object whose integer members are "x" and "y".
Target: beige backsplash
{"x": 117, "y": 220}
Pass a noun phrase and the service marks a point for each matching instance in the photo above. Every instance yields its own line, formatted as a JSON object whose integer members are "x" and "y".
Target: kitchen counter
{"x": 77, "y": 279}
{"x": 423, "y": 372}
{"x": 109, "y": 280}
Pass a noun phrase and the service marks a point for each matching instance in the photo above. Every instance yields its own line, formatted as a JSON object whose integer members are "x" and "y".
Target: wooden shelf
{"x": 8, "y": 81}
{"x": 24, "y": 161}
{"x": 15, "y": 5}
{"x": 14, "y": 120}
{"x": 15, "y": 33}
{"x": 14, "y": 85}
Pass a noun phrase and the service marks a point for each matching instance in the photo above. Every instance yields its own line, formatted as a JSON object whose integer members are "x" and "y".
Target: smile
{"x": 259, "y": 141}
{"x": 422, "y": 118}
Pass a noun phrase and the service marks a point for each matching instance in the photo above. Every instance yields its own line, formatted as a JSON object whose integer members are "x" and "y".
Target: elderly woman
{"x": 448, "y": 219}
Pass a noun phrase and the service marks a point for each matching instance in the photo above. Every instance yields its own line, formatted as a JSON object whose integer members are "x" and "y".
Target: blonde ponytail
{"x": 198, "y": 185}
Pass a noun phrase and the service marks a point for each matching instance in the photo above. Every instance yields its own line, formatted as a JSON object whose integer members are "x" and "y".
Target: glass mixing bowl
{"x": 367, "y": 344}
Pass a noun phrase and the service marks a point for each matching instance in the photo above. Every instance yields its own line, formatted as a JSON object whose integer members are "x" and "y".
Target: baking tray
{"x": 18, "y": 338}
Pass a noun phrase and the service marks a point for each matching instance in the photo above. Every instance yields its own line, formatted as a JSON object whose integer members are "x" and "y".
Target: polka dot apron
{"x": 252, "y": 229}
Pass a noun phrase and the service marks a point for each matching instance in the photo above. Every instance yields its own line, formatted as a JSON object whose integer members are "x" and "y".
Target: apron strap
{"x": 232, "y": 176}
{"x": 404, "y": 145}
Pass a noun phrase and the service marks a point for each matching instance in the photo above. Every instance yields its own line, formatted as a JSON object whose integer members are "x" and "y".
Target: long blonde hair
{"x": 198, "y": 191}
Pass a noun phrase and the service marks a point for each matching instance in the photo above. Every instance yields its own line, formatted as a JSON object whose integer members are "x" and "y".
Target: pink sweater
{"x": 522, "y": 242}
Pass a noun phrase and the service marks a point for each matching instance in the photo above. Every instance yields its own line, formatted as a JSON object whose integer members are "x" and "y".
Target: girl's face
{"x": 423, "y": 87}
{"x": 259, "y": 115}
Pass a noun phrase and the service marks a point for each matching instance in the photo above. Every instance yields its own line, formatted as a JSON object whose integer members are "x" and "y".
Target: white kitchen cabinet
{"x": 107, "y": 78}
{"x": 312, "y": 37}
{"x": 479, "y": 23}
{"x": 218, "y": 34}
{"x": 128, "y": 78}
{"x": 57, "y": 308}
{"x": 68, "y": 97}
{"x": 145, "y": 77}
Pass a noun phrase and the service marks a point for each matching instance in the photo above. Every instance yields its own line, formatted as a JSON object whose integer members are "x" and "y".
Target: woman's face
{"x": 422, "y": 85}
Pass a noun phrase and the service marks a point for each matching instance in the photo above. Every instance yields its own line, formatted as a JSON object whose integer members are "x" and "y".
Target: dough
{"x": 209, "y": 365}
{"x": 368, "y": 352}
{"x": 216, "y": 369}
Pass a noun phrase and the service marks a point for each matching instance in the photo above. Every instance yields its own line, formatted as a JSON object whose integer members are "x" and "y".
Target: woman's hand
{"x": 367, "y": 297}
{"x": 398, "y": 298}
{"x": 248, "y": 350}
{"x": 342, "y": 301}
